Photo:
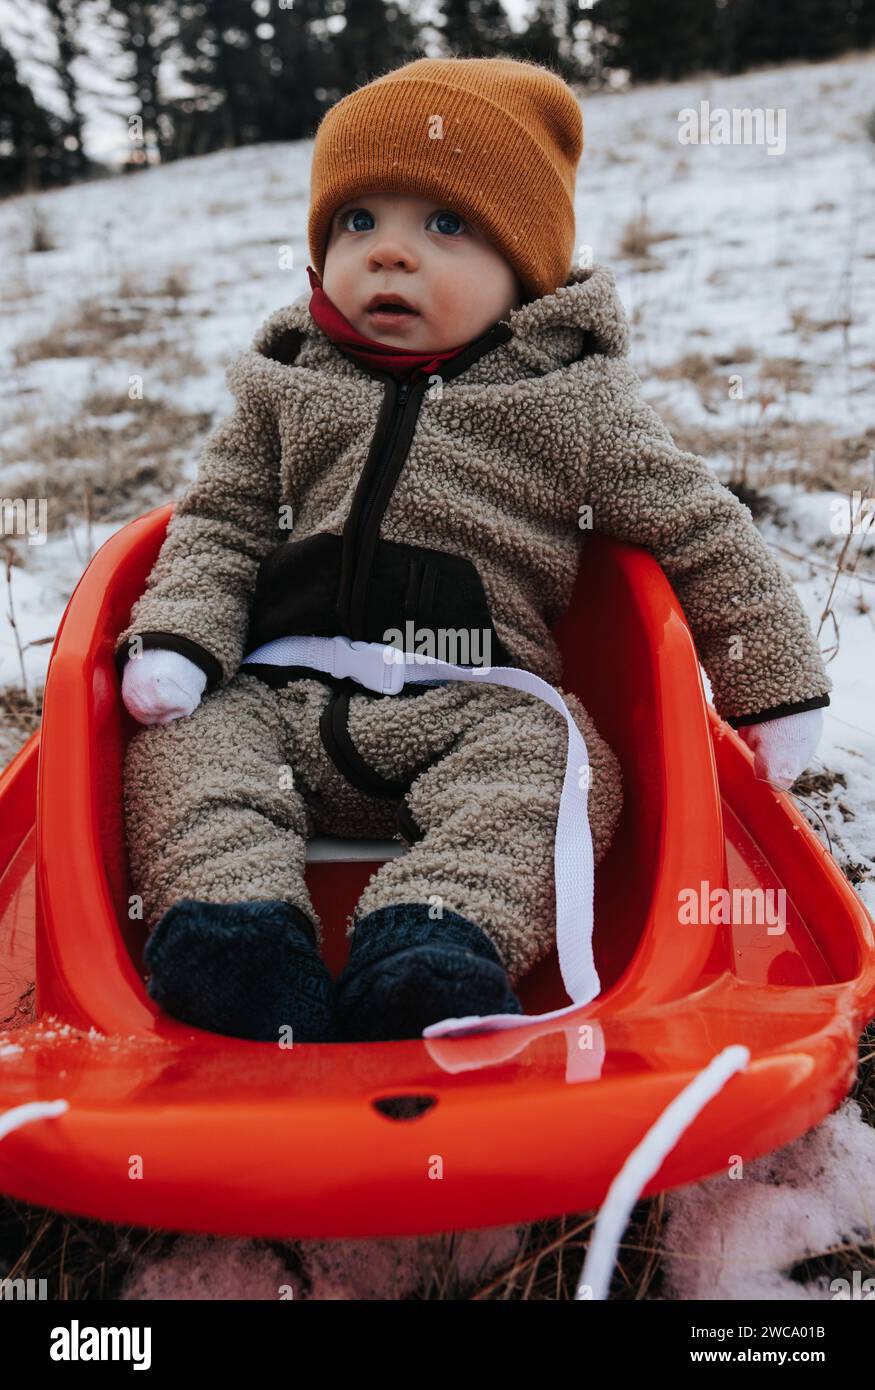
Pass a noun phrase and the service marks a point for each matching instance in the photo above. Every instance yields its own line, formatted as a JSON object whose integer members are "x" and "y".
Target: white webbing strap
{"x": 386, "y": 669}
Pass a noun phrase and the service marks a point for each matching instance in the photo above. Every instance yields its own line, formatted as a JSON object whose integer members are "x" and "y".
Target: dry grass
{"x": 806, "y": 327}
{"x": 20, "y": 715}
{"x": 79, "y": 1258}
{"x": 116, "y": 332}
{"x": 550, "y": 1259}
{"x": 811, "y": 455}
{"x": 164, "y": 298}
{"x": 739, "y": 355}
{"x": 94, "y": 329}
{"x": 790, "y": 373}
{"x": 86, "y": 468}
{"x": 719, "y": 276}
{"x": 225, "y": 208}
{"x": 775, "y": 380}
{"x": 818, "y": 787}
{"x": 637, "y": 239}
{"x": 85, "y": 1259}
{"x": 127, "y": 324}
{"x": 702, "y": 371}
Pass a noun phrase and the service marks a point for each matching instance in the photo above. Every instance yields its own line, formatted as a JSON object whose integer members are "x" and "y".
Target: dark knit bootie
{"x": 246, "y": 969}
{"x": 406, "y": 970}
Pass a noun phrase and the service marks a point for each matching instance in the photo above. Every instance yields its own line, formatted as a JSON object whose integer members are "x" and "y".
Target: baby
{"x": 418, "y": 445}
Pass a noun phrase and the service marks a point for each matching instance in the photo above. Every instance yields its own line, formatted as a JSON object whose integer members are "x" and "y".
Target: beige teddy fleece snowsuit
{"x": 334, "y": 501}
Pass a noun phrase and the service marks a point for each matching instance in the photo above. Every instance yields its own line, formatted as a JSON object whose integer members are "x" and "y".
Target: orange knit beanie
{"x": 494, "y": 139}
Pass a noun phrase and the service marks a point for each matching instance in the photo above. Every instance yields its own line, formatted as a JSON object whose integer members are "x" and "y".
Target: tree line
{"x": 203, "y": 75}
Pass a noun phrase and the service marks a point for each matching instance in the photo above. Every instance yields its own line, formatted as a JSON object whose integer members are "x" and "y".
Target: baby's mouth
{"x": 386, "y": 313}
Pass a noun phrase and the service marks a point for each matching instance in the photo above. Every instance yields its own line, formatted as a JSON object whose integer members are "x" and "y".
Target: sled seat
{"x": 331, "y": 849}
{"x": 645, "y": 697}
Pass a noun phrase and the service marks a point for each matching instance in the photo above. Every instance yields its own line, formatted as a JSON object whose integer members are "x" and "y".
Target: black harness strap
{"x": 338, "y": 744}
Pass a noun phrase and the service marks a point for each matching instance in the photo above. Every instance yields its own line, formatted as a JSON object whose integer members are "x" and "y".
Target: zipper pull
{"x": 403, "y": 391}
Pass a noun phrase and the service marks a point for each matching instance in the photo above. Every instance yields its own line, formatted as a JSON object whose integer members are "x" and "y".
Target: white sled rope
{"x": 21, "y": 1115}
{"x": 644, "y": 1161}
{"x": 386, "y": 669}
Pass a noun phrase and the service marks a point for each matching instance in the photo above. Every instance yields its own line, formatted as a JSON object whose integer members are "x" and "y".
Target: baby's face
{"x": 435, "y": 259}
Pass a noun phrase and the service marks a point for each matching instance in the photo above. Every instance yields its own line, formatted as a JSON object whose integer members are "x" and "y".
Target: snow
{"x": 206, "y": 1267}
{"x": 738, "y": 1238}
{"x": 769, "y": 258}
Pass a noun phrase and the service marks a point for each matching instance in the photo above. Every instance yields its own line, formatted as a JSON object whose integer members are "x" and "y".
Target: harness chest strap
{"x": 386, "y": 670}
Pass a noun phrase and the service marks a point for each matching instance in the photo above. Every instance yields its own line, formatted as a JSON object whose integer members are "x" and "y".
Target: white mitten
{"x": 161, "y": 685}
{"x": 782, "y": 748}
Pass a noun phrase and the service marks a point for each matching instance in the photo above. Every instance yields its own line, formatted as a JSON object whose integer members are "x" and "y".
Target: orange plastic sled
{"x": 169, "y": 1126}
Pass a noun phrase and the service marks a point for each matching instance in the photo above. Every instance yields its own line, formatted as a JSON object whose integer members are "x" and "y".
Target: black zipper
{"x": 403, "y": 391}
{"x": 360, "y": 542}
{"x": 350, "y": 609}
{"x": 391, "y": 461}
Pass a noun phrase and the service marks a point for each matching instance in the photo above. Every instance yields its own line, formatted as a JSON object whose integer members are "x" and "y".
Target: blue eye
{"x": 453, "y": 217}
{"x": 355, "y": 212}
{"x": 456, "y": 223}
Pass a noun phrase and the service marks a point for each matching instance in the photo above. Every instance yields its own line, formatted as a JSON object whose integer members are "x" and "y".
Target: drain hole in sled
{"x": 404, "y": 1107}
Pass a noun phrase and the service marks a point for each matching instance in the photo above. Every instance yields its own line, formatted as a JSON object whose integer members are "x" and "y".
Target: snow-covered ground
{"x": 750, "y": 284}
{"x": 738, "y": 1240}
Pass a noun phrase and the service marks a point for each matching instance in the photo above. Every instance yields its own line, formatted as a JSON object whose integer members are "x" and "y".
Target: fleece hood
{"x": 584, "y": 315}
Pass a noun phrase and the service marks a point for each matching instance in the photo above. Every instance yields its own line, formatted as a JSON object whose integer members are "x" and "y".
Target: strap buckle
{"x": 374, "y": 665}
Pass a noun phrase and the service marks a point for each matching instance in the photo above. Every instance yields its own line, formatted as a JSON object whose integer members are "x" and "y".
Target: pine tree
{"x": 221, "y": 59}
{"x": 63, "y": 15}
{"x": 474, "y": 28}
{"x": 31, "y": 138}
{"x": 141, "y": 31}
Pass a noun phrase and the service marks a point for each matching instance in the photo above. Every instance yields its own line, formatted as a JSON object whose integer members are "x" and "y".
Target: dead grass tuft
{"x": 550, "y": 1259}
{"x": 810, "y": 454}
{"x": 638, "y": 238}
{"x": 82, "y": 466}
{"x": 100, "y": 327}
{"x": 788, "y": 373}
{"x": 77, "y": 1257}
{"x": 802, "y": 323}
{"x": 20, "y": 715}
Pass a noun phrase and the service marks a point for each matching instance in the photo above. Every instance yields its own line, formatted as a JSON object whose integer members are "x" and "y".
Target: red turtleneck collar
{"x": 400, "y": 362}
